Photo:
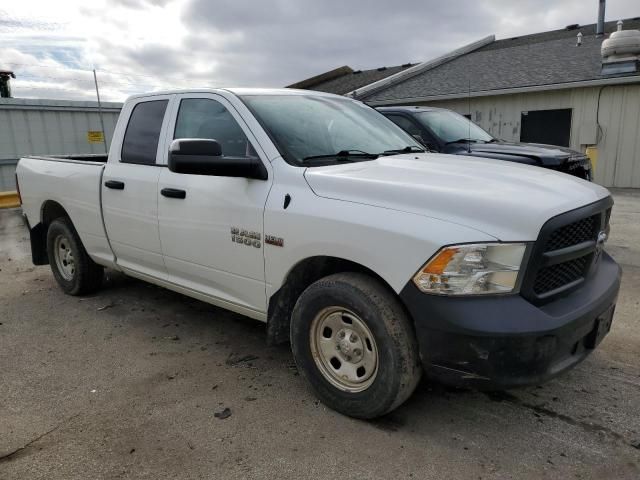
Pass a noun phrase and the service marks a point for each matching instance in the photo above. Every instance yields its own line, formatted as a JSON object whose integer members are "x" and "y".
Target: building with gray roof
{"x": 519, "y": 88}
{"x": 344, "y": 79}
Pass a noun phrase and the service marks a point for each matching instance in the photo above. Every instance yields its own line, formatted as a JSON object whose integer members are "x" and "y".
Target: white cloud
{"x": 53, "y": 54}
{"x": 143, "y": 45}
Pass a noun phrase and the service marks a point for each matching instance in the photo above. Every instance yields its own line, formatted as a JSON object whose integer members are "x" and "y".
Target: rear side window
{"x": 143, "y": 133}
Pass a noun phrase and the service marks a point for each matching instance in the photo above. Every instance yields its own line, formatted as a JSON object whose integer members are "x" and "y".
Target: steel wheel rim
{"x": 64, "y": 257}
{"x": 344, "y": 349}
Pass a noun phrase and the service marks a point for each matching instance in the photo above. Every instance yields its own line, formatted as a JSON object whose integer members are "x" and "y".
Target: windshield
{"x": 304, "y": 126}
{"x": 450, "y": 126}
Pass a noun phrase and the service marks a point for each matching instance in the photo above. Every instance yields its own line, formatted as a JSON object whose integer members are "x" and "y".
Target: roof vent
{"x": 573, "y": 26}
{"x": 602, "y": 4}
{"x": 621, "y": 52}
{"x": 5, "y": 87}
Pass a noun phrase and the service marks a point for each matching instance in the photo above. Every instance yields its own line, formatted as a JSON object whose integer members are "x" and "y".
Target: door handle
{"x": 173, "y": 193}
{"x": 114, "y": 184}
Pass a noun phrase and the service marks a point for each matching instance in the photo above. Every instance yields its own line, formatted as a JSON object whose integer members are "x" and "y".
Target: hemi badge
{"x": 273, "y": 240}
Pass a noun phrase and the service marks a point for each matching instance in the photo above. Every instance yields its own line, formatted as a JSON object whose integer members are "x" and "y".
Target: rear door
{"x": 130, "y": 190}
{"x": 212, "y": 239}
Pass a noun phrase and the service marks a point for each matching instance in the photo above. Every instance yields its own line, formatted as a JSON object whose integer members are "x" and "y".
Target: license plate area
{"x": 600, "y": 329}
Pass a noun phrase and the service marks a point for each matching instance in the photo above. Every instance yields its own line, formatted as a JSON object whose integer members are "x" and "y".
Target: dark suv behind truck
{"x": 446, "y": 131}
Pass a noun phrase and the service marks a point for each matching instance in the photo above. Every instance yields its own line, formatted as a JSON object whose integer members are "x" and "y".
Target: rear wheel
{"x": 72, "y": 267}
{"x": 354, "y": 343}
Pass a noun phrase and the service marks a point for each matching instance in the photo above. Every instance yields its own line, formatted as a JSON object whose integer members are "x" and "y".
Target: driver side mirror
{"x": 199, "y": 156}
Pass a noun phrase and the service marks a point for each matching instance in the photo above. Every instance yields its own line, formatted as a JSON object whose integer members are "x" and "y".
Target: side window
{"x": 206, "y": 118}
{"x": 405, "y": 124}
{"x": 143, "y": 133}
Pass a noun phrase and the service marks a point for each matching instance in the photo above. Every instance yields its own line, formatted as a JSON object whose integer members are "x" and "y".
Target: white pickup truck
{"x": 317, "y": 215}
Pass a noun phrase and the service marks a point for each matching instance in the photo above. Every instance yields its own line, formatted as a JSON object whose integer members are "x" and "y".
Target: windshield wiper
{"x": 464, "y": 140}
{"x": 343, "y": 155}
{"x": 407, "y": 149}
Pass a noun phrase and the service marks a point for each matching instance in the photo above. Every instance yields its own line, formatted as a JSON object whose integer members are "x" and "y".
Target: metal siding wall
{"x": 627, "y": 166}
{"x": 610, "y": 108}
{"x": 7, "y": 178}
{"x": 619, "y": 118}
{"x": 47, "y": 130}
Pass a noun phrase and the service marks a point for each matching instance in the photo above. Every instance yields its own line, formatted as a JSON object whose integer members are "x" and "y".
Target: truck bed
{"x": 86, "y": 158}
{"x": 72, "y": 182}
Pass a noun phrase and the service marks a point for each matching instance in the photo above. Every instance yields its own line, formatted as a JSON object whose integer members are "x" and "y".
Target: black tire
{"x": 398, "y": 368}
{"x": 87, "y": 275}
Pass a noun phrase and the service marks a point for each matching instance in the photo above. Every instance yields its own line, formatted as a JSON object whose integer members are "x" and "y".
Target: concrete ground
{"x": 126, "y": 384}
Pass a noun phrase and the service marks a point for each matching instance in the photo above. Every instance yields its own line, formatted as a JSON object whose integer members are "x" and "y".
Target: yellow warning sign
{"x": 95, "y": 136}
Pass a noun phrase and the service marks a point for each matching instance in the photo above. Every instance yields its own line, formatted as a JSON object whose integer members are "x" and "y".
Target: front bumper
{"x": 496, "y": 342}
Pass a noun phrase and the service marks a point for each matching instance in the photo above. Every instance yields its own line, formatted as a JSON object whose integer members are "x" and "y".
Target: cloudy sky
{"x": 143, "y": 45}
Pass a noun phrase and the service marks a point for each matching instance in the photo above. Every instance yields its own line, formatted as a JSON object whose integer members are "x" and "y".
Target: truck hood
{"x": 530, "y": 153}
{"x": 508, "y": 201}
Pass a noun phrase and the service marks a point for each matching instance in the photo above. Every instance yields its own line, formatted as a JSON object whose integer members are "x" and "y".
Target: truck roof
{"x": 408, "y": 108}
{"x": 239, "y": 91}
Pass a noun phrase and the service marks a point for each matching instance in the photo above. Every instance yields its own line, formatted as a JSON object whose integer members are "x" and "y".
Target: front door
{"x": 212, "y": 239}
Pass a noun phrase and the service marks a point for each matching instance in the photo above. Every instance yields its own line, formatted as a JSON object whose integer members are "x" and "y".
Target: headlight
{"x": 472, "y": 269}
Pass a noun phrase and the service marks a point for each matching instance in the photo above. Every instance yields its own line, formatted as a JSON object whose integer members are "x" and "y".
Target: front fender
{"x": 391, "y": 243}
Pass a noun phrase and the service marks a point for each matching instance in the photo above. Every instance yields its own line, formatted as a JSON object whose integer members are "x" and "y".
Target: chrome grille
{"x": 578, "y": 165}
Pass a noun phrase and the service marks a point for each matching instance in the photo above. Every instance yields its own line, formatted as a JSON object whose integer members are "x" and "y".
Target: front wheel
{"x": 72, "y": 267}
{"x": 354, "y": 343}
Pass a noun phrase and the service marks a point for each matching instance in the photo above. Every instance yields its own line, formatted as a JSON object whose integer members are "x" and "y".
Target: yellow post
{"x": 592, "y": 153}
{"x": 9, "y": 200}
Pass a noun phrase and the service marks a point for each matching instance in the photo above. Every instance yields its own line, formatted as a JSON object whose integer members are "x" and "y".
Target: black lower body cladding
{"x": 497, "y": 342}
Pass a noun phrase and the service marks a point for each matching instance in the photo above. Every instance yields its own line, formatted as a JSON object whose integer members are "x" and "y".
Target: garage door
{"x": 546, "y": 126}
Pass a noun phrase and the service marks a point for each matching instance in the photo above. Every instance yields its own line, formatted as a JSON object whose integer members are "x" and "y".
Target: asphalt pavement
{"x": 140, "y": 382}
